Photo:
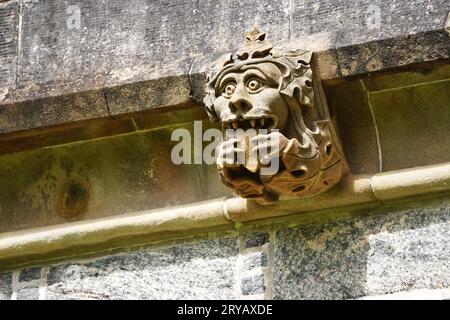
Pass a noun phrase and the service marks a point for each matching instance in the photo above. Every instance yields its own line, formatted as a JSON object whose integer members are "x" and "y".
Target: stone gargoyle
{"x": 262, "y": 87}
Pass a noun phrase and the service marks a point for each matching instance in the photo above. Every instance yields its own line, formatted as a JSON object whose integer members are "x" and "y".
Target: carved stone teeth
{"x": 253, "y": 122}
{"x": 262, "y": 122}
{"x": 235, "y": 124}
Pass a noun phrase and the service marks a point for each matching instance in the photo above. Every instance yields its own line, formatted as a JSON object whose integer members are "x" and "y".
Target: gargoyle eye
{"x": 228, "y": 90}
{"x": 254, "y": 84}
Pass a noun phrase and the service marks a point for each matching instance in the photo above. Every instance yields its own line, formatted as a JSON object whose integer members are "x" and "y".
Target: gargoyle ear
{"x": 301, "y": 90}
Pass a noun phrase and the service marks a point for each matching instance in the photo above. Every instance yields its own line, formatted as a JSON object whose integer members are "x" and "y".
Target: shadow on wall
{"x": 387, "y": 121}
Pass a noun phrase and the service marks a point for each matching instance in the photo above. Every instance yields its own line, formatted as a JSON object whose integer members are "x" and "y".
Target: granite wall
{"x": 372, "y": 254}
{"x": 393, "y": 252}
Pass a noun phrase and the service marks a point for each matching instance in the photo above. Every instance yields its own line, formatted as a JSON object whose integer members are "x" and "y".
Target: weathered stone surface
{"x": 256, "y": 239}
{"x": 184, "y": 116}
{"x": 342, "y": 23}
{"x": 92, "y": 44}
{"x": 204, "y": 270}
{"x": 413, "y": 125}
{"x": 392, "y": 53}
{"x": 29, "y": 274}
{"x": 404, "y": 259}
{"x": 5, "y": 285}
{"x": 165, "y": 92}
{"x": 320, "y": 262}
{"x": 355, "y": 125}
{"x": 28, "y": 293}
{"x": 254, "y": 260}
{"x": 100, "y": 128}
{"x": 253, "y": 285}
{"x": 372, "y": 255}
{"x": 447, "y": 24}
{"x": 422, "y": 74}
{"x": 125, "y": 174}
{"x": 51, "y": 112}
{"x": 9, "y": 19}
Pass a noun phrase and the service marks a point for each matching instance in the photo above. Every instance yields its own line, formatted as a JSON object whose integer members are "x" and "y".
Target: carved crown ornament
{"x": 270, "y": 92}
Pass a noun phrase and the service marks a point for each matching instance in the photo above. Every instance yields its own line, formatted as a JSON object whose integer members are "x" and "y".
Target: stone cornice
{"x": 27, "y": 113}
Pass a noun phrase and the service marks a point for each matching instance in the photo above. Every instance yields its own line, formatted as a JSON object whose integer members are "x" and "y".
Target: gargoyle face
{"x": 262, "y": 87}
{"x": 250, "y": 98}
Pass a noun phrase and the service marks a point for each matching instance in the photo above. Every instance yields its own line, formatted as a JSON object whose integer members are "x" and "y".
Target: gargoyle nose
{"x": 239, "y": 105}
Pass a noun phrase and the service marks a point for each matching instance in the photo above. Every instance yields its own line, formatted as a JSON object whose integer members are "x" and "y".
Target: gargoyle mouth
{"x": 264, "y": 122}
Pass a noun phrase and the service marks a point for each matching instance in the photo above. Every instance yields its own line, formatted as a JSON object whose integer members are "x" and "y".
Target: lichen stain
{"x": 73, "y": 198}
{"x": 57, "y": 187}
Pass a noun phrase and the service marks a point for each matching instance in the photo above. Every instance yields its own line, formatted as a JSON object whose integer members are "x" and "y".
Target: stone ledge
{"x": 73, "y": 239}
{"x": 23, "y": 114}
{"x": 112, "y": 45}
{"x": 384, "y": 55}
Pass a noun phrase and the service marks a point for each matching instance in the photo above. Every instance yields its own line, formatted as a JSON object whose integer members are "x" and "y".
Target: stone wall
{"x": 401, "y": 251}
{"x": 72, "y": 71}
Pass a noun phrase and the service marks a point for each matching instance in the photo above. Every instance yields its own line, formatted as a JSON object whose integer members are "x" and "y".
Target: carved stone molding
{"x": 270, "y": 90}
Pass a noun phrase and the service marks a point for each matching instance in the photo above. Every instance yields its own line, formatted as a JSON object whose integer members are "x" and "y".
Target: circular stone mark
{"x": 73, "y": 198}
